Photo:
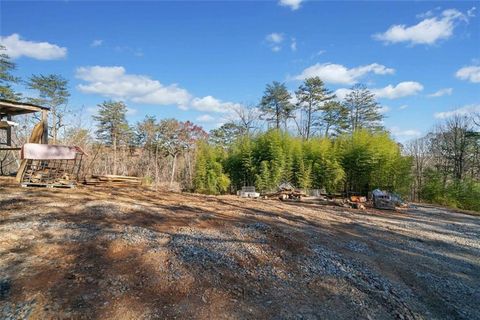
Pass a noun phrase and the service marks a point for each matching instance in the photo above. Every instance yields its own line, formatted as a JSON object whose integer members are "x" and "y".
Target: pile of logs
{"x": 286, "y": 193}
{"x": 112, "y": 181}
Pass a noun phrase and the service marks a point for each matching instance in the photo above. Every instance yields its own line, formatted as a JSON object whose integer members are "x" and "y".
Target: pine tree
{"x": 334, "y": 118}
{"x": 363, "y": 109}
{"x": 276, "y": 105}
{"x": 226, "y": 134}
{"x": 53, "y": 93}
{"x": 112, "y": 127}
{"x": 311, "y": 96}
{"x": 6, "y": 77}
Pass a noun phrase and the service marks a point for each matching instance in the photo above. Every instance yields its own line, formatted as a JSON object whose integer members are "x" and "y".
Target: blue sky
{"x": 194, "y": 60}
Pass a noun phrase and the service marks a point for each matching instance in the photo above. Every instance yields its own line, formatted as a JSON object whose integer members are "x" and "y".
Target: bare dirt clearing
{"x": 136, "y": 254}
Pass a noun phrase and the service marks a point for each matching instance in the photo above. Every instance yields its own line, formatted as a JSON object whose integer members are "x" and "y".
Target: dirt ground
{"x": 95, "y": 253}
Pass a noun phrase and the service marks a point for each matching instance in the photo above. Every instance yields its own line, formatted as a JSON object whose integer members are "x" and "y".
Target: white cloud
{"x": 318, "y": 53}
{"x": 428, "y": 31}
{"x": 337, "y": 73}
{"x": 442, "y": 92}
{"x": 466, "y": 110}
{"x": 471, "y": 12}
{"x": 274, "y": 40}
{"x": 293, "y": 44}
{"x": 210, "y": 103}
{"x": 17, "y": 47}
{"x": 384, "y": 109}
{"x": 469, "y": 73}
{"x": 164, "y": 95}
{"x": 292, "y": 4}
{"x": 113, "y": 82}
{"x": 131, "y": 111}
{"x": 293, "y": 98}
{"x": 94, "y": 110}
{"x": 276, "y": 48}
{"x": 408, "y": 133}
{"x": 403, "y": 107}
{"x": 424, "y": 15}
{"x": 99, "y": 73}
{"x": 274, "y": 37}
{"x": 138, "y": 52}
{"x": 402, "y": 89}
{"x": 96, "y": 43}
{"x": 205, "y": 118}
{"x": 342, "y": 93}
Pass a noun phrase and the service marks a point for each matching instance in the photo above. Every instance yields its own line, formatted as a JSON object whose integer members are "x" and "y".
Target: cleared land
{"x": 98, "y": 253}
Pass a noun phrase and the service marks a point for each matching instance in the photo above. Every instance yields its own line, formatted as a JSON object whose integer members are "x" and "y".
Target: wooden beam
{"x": 9, "y": 133}
{"x": 10, "y": 148}
{"x": 9, "y": 105}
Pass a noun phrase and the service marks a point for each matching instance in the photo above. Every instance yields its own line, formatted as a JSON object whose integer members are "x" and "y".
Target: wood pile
{"x": 112, "y": 181}
{"x": 43, "y": 177}
{"x": 286, "y": 194}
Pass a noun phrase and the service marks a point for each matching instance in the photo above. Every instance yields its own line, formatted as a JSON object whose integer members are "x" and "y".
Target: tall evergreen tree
{"x": 334, "y": 118}
{"x": 226, "y": 134}
{"x": 112, "y": 127}
{"x": 146, "y": 132}
{"x": 6, "y": 77}
{"x": 363, "y": 109}
{"x": 276, "y": 105}
{"x": 53, "y": 93}
{"x": 311, "y": 96}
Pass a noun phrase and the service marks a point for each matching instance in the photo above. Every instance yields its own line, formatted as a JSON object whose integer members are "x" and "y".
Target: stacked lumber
{"x": 113, "y": 181}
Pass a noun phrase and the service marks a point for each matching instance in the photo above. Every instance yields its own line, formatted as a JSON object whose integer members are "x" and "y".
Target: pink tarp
{"x": 35, "y": 151}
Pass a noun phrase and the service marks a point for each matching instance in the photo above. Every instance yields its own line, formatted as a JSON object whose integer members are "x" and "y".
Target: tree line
{"x": 309, "y": 138}
{"x": 446, "y": 163}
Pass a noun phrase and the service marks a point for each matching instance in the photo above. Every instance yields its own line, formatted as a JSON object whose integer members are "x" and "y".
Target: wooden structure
{"x": 9, "y": 109}
{"x": 51, "y": 166}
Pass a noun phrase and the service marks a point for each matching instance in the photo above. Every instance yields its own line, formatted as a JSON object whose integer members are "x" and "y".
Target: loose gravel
{"x": 137, "y": 254}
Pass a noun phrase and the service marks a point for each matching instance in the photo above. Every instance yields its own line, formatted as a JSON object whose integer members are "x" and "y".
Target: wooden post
{"x": 9, "y": 133}
{"x": 45, "y": 126}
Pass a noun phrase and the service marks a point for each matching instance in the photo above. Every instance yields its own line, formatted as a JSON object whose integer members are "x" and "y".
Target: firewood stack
{"x": 113, "y": 181}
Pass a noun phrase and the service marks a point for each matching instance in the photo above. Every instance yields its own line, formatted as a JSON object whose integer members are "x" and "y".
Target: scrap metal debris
{"x": 386, "y": 200}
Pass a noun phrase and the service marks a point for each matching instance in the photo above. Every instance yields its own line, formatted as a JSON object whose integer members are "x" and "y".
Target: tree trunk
{"x": 54, "y": 125}
{"x": 277, "y": 115}
{"x": 309, "y": 121}
{"x": 114, "y": 154}
{"x": 156, "y": 167}
{"x": 174, "y": 161}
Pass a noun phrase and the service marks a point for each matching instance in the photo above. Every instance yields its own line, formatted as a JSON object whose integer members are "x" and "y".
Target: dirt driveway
{"x": 135, "y": 254}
